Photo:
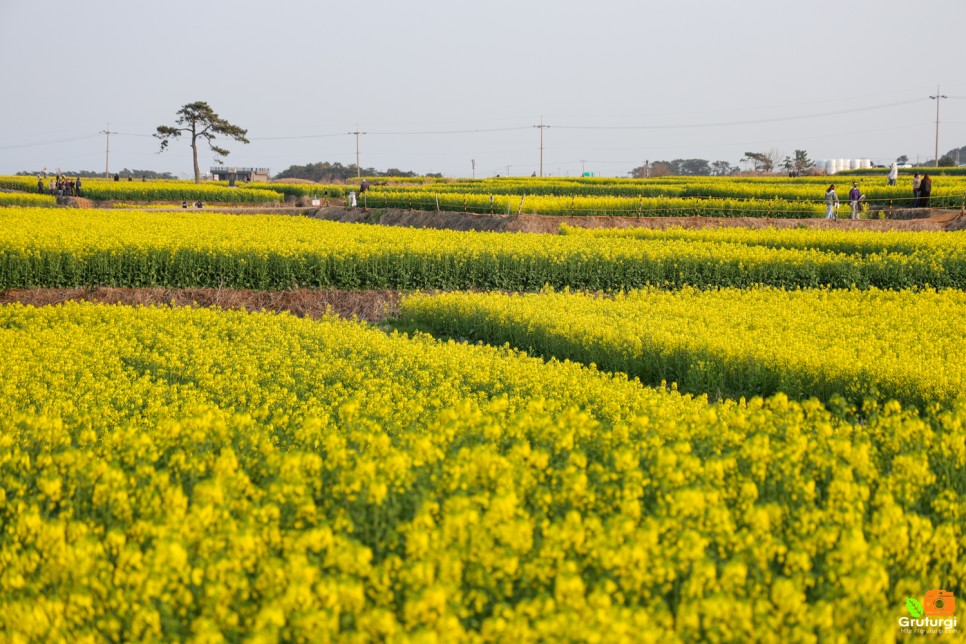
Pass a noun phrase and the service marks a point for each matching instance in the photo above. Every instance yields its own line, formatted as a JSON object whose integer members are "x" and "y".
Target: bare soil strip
{"x": 921, "y": 219}
{"x": 371, "y": 306}
{"x": 924, "y": 219}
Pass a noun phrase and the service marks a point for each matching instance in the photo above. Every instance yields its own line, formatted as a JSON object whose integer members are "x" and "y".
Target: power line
{"x": 477, "y": 131}
{"x": 302, "y": 136}
{"x": 35, "y": 145}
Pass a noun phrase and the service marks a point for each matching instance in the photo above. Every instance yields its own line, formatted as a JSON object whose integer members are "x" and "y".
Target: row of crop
{"x": 589, "y": 206}
{"x": 310, "y": 190}
{"x": 858, "y": 242}
{"x": 27, "y": 199}
{"x": 760, "y": 195}
{"x": 103, "y": 190}
{"x": 908, "y": 346}
{"x": 171, "y": 474}
{"x": 180, "y": 249}
{"x": 21, "y": 183}
{"x": 158, "y": 190}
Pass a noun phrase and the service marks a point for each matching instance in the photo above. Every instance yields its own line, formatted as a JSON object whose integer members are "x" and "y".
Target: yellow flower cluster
{"x": 196, "y": 474}
{"x": 170, "y": 190}
{"x": 664, "y": 196}
{"x": 909, "y": 346}
{"x": 40, "y": 247}
{"x": 582, "y": 205}
{"x": 851, "y": 242}
{"x": 30, "y": 199}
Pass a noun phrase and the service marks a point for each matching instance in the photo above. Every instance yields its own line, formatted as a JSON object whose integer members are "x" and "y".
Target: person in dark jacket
{"x": 855, "y": 197}
{"x": 925, "y": 189}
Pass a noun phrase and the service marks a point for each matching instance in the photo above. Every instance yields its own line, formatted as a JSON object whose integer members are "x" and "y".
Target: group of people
{"x": 921, "y": 191}
{"x": 61, "y": 186}
{"x": 832, "y": 201}
{"x": 921, "y": 186}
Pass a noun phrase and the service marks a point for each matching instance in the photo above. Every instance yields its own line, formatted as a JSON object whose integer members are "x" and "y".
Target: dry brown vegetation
{"x": 372, "y": 306}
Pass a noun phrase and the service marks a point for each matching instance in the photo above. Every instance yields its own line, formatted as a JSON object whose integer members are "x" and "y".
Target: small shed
{"x": 223, "y": 173}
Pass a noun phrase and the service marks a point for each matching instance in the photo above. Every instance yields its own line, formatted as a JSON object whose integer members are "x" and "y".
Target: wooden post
{"x": 520, "y": 209}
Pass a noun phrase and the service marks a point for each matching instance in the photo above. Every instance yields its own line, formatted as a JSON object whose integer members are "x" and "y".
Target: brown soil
{"x": 929, "y": 219}
{"x": 75, "y": 202}
{"x": 372, "y": 306}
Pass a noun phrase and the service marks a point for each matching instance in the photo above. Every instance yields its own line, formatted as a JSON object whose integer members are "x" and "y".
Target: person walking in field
{"x": 855, "y": 196}
{"x": 893, "y": 173}
{"x": 831, "y": 202}
{"x": 916, "y": 181}
{"x": 925, "y": 189}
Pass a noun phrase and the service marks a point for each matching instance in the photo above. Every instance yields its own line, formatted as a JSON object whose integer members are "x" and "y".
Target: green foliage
{"x": 183, "y": 249}
{"x": 199, "y": 121}
{"x": 914, "y": 606}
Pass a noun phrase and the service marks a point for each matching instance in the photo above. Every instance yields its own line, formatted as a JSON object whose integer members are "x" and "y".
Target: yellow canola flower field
{"x": 857, "y": 242}
{"x": 156, "y": 190}
{"x": 78, "y": 247}
{"x": 30, "y": 199}
{"x": 909, "y": 346}
{"x": 170, "y": 474}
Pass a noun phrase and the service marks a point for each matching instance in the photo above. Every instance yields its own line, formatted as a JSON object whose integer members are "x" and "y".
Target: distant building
{"x": 222, "y": 173}
{"x": 831, "y": 166}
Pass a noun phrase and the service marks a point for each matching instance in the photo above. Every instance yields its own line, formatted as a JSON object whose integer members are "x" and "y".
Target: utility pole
{"x": 937, "y": 98}
{"x": 107, "y": 152}
{"x": 583, "y": 168}
{"x": 473, "y": 162}
{"x": 541, "y": 126}
{"x": 358, "y": 167}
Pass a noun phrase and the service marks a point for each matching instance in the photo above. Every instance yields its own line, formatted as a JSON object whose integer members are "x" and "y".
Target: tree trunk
{"x": 194, "y": 152}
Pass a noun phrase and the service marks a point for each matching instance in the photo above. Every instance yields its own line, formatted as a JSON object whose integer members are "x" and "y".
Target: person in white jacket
{"x": 893, "y": 173}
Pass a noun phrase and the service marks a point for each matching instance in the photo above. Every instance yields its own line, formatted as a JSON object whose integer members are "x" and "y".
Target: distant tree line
{"x": 951, "y": 159}
{"x": 684, "y": 167}
{"x": 93, "y": 174}
{"x": 759, "y": 161}
{"x": 325, "y": 172}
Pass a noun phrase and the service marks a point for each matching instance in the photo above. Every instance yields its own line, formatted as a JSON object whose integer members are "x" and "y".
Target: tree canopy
{"x": 200, "y": 122}
{"x": 324, "y": 172}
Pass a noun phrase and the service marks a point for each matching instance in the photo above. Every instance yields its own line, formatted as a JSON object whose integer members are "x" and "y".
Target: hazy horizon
{"x": 436, "y": 85}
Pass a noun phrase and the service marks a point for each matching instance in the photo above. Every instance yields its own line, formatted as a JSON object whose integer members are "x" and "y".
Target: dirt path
{"x": 915, "y": 220}
{"x": 937, "y": 220}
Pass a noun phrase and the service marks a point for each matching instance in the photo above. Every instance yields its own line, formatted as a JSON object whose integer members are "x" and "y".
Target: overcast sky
{"x": 436, "y": 84}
